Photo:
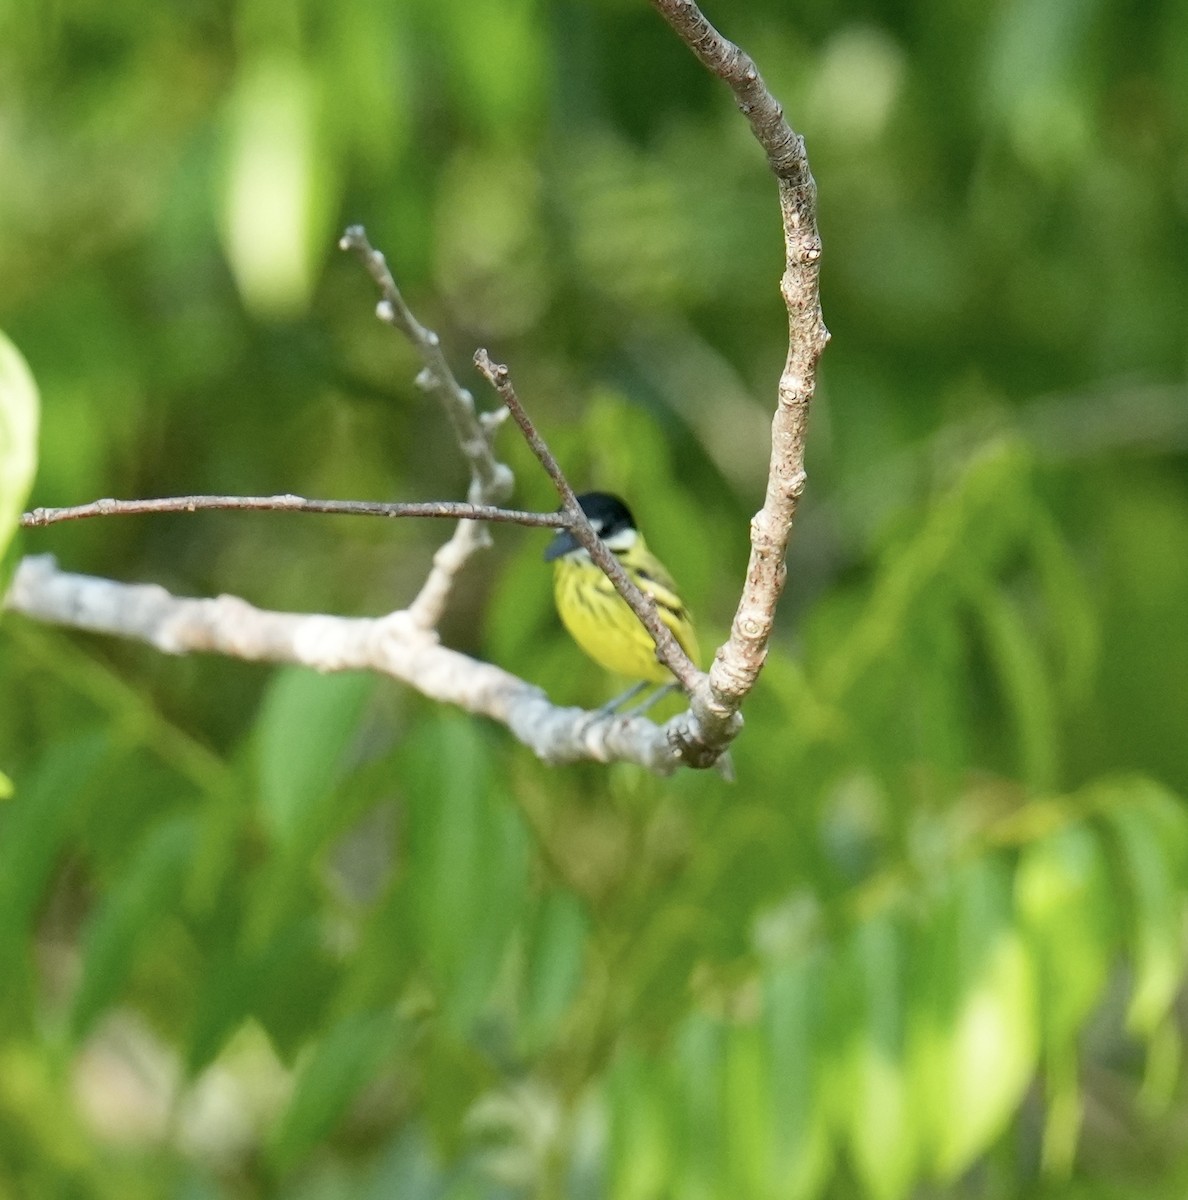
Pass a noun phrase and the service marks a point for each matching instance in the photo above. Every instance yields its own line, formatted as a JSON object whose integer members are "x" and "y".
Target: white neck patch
{"x": 623, "y": 540}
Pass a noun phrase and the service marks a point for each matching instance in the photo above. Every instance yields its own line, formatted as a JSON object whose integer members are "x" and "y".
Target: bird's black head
{"x": 608, "y": 514}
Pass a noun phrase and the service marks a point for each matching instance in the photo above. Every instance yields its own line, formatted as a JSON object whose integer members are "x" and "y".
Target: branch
{"x": 668, "y": 649}
{"x": 447, "y": 509}
{"x": 491, "y": 482}
{"x": 714, "y": 708}
{"x": 393, "y": 645}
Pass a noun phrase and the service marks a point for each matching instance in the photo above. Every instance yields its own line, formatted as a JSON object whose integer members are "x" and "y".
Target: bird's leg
{"x": 642, "y": 707}
{"x": 613, "y": 706}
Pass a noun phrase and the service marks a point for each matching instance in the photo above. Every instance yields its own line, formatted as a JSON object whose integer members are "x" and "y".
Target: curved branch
{"x": 714, "y": 709}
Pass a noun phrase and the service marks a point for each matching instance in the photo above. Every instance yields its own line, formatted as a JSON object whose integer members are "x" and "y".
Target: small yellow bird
{"x": 597, "y": 617}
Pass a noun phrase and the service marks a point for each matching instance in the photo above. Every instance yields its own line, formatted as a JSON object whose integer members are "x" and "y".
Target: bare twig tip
{"x": 495, "y": 418}
{"x": 353, "y": 236}
{"x": 497, "y": 373}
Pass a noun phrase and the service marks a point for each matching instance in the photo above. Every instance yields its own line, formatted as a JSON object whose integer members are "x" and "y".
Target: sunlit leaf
{"x": 502, "y": 90}
{"x": 19, "y": 407}
{"x": 976, "y": 1036}
{"x": 279, "y": 179}
{"x": 879, "y": 1116}
{"x": 1150, "y": 841}
{"x": 799, "y": 1046}
{"x": 642, "y": 1151}
{"x": 1067, "y": 905}
{"x": 749, "y": 1119}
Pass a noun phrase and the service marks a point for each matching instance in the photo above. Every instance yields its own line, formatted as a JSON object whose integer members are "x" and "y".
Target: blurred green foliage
{"x": 270, "y": 934}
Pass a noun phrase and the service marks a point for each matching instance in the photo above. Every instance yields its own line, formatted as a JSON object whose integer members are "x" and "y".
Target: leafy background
{"x": 270, "y": 934}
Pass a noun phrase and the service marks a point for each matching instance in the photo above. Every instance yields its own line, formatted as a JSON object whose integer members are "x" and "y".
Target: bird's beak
{"x": 563, "y": 542}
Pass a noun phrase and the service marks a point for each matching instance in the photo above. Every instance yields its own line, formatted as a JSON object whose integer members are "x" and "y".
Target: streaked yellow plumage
{"x": 596, "y": 616}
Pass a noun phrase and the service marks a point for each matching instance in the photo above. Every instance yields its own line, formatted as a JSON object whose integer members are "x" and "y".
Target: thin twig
{"x": 447, "y": 509}
{"x": 668, "y": 649}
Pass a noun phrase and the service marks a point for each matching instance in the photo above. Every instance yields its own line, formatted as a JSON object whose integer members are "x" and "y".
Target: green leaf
{"x": 975, "y": 1039}
{"x": 691, "y": 1098}
{"x": 343, "y": 1063}
{"x": 306, "y": 722}
{"x": 554, "y": 955}
{"x": 279, "y": 188}
{"x": 642, "y": 1153}
{"x": 467, "y": 862}
{"x": 796, "y": 1027}
{"x": 139, "y": 901}
{"x": 879, "y": 1118}
{"x": 387, "y": 952}
{"x": 285, "y": 985}
{"x": 963, "y": 539}
{"x": 1024, "y": 682}
{"x": 1072, "y": 620}
{"x": 1150, "y": 834}
{"x": 19, "y": 407}
{"x": 748, "y": 1118}
{"x": 1066, "y": 904}
{"x": 34, "y": 827}
{"x": 457, "y": 1074}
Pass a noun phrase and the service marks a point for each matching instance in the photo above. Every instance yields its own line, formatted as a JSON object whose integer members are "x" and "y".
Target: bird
{"x": 598, "y": 618}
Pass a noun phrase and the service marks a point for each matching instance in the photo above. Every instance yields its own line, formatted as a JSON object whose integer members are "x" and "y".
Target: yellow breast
{"x": 601, "y": 623}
